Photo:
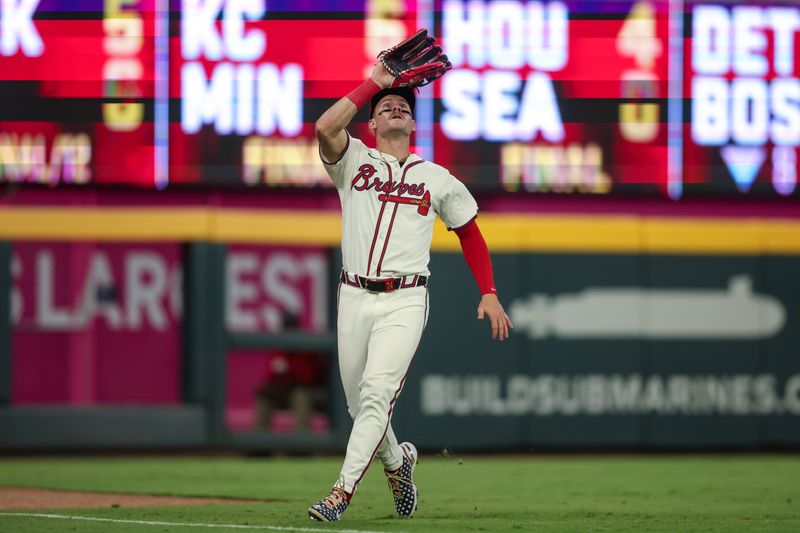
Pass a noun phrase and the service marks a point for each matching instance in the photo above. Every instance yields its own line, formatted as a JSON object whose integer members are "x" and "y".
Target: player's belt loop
{"x": 350, "y": 279}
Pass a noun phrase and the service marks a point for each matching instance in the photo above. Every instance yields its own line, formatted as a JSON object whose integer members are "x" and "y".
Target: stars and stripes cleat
{"x": 404, "y": 492}
{"x": 330, "y": 508}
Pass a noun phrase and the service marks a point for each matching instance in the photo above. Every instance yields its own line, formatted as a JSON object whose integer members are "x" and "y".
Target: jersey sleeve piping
{"x": 341, "y": 155}
{"x": 464, "y": 225}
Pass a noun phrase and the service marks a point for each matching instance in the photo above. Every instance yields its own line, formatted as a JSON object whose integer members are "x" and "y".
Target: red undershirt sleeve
{"x": 476, "y": 253}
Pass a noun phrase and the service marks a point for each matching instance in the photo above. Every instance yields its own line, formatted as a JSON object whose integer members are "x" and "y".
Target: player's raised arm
{"x": 414, "y": 62}
{"x": 330, "y": 126}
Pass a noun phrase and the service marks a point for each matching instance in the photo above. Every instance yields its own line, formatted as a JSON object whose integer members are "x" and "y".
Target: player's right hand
{"x": 381, "y": 76}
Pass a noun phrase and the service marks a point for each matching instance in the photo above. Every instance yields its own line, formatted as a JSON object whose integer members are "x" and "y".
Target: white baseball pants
{"x": 378, "y": 334}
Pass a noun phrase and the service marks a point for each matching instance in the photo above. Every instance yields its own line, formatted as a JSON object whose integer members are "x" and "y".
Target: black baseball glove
{"x": 415, "y": 62}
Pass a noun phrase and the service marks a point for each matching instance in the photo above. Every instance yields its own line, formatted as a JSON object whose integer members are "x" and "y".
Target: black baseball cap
{"x": 404, "y": 92}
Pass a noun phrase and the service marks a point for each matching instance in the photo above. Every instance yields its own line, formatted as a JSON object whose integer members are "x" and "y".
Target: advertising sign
{"x": 632, "y": 351}
{"x": 100, "y": 323}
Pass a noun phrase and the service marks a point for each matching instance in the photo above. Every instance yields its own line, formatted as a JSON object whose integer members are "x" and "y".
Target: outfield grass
{"x": 491, "y": 494}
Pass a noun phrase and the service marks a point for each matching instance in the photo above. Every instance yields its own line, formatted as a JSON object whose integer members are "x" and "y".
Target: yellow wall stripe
{"x": 98, "y": 223}
{"x": 310, "y": 228}
{"x": 504, "y": 233}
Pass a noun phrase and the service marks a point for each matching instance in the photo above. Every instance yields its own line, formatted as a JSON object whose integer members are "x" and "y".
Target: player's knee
{"x": 377, "y": 394}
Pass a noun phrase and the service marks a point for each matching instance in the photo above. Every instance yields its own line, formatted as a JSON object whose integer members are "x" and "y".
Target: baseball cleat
{"x": 330, "y": 508}
{"x": 401, "y": 481}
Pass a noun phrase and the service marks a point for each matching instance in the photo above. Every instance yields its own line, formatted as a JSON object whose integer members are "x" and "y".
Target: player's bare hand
{"x": 381, "y": 76}
{"x": 490, "y": 307}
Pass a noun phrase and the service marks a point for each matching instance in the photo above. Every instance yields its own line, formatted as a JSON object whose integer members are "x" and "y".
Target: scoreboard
{"x": 78, "y": 92}
{"x": 563, "y": 96}
{"x": 742, "y": 78}
{"x": 666, "y": 97}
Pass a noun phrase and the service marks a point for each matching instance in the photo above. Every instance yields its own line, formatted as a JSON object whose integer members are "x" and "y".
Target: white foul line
{"x": 185, "y": 524}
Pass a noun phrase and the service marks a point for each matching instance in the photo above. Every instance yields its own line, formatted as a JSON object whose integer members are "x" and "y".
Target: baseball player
{"x": 390, "y": 199}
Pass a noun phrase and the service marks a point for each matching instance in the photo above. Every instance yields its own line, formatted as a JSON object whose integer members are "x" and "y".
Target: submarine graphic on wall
{"x": 733, "y": 312}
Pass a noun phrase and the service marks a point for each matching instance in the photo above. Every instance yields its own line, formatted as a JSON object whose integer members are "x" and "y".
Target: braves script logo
{"x": 366, "y": 180}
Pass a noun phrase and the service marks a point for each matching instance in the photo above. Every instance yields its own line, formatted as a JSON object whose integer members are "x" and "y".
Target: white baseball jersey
{"x": 388, "y": 210}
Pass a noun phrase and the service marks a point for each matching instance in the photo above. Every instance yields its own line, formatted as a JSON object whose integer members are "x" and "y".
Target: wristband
{"x": 363, "y": 93}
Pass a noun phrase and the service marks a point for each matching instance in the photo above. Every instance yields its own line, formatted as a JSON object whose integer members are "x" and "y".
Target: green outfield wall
{"x": 631, "y": 332}
{"x": 611, "y": 351}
